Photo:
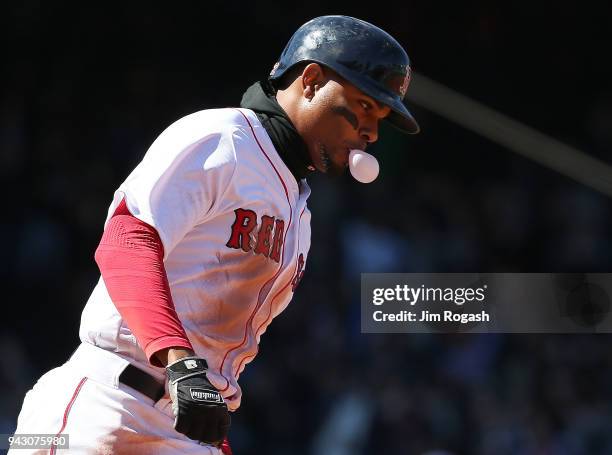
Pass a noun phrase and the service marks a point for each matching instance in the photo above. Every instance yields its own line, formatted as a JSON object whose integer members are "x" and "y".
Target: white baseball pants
{"x": 84, "y": 400}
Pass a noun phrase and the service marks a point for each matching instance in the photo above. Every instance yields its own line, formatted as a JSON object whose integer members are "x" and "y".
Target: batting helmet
{"x": 361, "y": 53}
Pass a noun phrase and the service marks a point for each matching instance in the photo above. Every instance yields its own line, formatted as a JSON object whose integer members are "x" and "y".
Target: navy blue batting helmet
{"x": 361, "y": 53}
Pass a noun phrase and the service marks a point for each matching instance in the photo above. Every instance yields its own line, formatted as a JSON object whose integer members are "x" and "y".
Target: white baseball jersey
{"x": 235, "y": 230}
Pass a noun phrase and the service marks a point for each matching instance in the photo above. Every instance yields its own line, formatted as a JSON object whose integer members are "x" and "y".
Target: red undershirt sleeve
{"x": 130, "y": 258}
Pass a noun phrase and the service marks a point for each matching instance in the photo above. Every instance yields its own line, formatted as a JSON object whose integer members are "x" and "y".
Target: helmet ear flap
{"x": 360, "y": 52}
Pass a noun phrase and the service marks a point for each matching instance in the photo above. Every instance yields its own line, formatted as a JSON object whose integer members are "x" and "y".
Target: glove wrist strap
{"x": 186, "y": 366}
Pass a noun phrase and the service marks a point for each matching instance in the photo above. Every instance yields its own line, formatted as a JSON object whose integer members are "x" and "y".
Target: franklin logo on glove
{"x": 206, "y": 395}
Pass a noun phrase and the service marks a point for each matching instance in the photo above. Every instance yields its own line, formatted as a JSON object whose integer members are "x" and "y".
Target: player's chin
{"x": 331, "y": 169}
{"x": 332, "y": 163}
{"x": 339, "y": 163}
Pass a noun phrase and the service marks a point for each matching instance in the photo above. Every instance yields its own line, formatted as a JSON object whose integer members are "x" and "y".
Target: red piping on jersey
{"x": 250, "y": 356}
{"x": 271, "y": 281}
{"x": 67, "y": 411}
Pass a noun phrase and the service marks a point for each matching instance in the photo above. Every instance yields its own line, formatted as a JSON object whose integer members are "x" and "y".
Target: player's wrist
{"x": 189, "y": 363}
{"x": 170, "y": 355}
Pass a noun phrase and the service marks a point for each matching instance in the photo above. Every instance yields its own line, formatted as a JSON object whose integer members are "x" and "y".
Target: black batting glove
{"x": 200, "y": 412}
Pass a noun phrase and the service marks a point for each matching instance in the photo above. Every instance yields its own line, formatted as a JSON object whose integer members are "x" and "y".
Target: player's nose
{"x": 369, "y": 131}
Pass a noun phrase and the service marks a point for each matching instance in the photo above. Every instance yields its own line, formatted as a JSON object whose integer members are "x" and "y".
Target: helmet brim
{"x": 401, "y": 118}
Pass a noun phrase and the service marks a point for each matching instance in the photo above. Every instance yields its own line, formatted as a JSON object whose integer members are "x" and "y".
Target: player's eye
{"x": 365, "y": 105}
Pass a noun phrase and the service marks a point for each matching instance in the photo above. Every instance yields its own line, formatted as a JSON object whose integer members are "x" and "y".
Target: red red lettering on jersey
{"x": 277, "y": 243}
{"x": 246, "y": 220}
{"x": 298, "y": 274}
{"x": 263, "y": 237}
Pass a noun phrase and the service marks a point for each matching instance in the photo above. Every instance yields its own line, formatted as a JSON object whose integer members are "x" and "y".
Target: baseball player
{"x": 206, "y": 241}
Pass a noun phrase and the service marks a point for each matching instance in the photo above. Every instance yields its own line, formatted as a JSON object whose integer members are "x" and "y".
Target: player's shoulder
{"x": 203, "y": 136}
{"x": 211, "y": 121}
{"x": 205, "y": 129}
{"x": 218, "y": 137}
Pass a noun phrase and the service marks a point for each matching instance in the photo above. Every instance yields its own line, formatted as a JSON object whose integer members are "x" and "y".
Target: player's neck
{"x": 277, "y": 123}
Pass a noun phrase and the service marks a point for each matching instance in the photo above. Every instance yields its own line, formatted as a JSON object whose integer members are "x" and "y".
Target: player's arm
{"x": 130, "y": 258}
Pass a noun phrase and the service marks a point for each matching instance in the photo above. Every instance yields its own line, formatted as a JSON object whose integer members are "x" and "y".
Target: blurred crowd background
{"x": 84, "y": 90}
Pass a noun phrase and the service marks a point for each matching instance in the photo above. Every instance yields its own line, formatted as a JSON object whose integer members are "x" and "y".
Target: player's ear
{"x": 313, "y": 77}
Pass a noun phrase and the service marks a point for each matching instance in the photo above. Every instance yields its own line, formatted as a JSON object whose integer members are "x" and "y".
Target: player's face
{"x": 342, "y": 118}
